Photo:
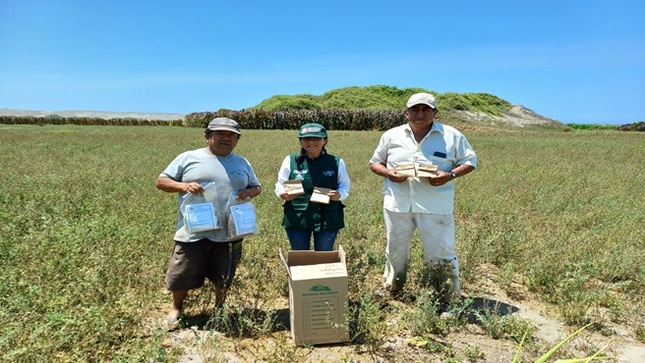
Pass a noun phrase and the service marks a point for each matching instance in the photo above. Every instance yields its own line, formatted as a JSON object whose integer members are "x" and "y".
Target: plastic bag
{"x": 240, "y": 217}
{"x": 199, "y": 210}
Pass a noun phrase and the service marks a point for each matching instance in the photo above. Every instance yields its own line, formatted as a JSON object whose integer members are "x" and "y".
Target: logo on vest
{"x": 299, "y": 174}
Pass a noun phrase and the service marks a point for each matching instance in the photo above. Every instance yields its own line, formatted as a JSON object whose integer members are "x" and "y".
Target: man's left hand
{"x": 440, "y": 179}
{"x": 248, "y": 193}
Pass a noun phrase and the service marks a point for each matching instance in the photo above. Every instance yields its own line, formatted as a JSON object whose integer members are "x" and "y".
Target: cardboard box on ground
{"x": 318, "y": 284}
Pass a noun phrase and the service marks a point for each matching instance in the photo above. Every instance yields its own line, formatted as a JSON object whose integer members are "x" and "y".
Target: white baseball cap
{"x": 422, "y": 99}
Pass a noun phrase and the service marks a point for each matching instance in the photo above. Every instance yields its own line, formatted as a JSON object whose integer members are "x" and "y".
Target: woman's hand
{"x": 288, "y": 197}
{"x": 334, "y": 195}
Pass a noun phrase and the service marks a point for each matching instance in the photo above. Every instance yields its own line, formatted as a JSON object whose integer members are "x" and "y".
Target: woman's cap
{"x": 422, "y": 99}
{"x": 223, "y": 124}
{"x": 312, "y": 130}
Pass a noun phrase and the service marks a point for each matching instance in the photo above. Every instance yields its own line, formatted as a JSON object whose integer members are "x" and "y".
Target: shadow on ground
{"x": 246, "y": 323}
{"x": 481, "y": 306}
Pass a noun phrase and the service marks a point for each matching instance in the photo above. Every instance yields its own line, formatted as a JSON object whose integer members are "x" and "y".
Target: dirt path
{"x": 466, "y": 344}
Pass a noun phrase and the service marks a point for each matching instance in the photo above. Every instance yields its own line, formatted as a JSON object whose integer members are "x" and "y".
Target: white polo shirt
{"x": 444, "y": 146}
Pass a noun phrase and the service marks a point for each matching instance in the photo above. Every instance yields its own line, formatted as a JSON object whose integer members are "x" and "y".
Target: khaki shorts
{"x": 190, "y": 263}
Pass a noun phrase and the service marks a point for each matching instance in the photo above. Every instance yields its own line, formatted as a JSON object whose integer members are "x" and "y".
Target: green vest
{"x": 300, "y": 213}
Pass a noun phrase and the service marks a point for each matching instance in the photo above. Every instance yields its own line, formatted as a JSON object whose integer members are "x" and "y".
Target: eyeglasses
{"x": 420, "y": 109}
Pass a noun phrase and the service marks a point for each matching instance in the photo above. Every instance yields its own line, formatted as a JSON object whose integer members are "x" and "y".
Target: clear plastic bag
{"x": 199, "y": 210}
{"x": 240, "y": 217}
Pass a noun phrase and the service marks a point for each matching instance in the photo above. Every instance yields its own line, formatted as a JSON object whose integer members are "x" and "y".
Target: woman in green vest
{"x": 313, "y": 185}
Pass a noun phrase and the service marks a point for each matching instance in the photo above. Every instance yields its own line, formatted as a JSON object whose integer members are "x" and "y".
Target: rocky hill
{"x": 518, "y": 115}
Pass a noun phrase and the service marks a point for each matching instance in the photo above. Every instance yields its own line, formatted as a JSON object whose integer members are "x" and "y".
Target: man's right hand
{"x": 394, "y": 176}
{"x": 193, "y": 188}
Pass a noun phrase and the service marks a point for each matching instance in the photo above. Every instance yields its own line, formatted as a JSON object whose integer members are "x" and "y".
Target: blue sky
{"x": 572, "y": 60}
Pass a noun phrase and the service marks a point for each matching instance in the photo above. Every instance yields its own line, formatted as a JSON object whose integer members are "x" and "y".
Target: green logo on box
{"x": 320, "y": 288}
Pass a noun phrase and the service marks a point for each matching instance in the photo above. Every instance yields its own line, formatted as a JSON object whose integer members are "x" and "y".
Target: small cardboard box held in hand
{"x": 317, "y": 296}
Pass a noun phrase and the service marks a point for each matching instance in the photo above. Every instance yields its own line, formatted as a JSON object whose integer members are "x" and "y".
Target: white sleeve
{"x": 283, "y": 175}
{"x": 343, "y": 180}
{"x": 380, "y": 153}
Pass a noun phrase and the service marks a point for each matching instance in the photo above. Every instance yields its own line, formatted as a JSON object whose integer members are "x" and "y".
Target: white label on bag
{"x": 243, "y": 216}
{"x": 200, "y": 217}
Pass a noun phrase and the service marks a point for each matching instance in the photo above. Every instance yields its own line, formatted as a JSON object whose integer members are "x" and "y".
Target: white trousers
{"x": 437, "y": 234}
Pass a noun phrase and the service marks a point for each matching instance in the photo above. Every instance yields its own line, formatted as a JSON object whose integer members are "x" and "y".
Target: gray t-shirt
{"x": 230, "y": 174}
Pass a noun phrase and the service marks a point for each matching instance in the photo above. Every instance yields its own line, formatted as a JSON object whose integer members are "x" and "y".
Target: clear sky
{"x": 577, "y": 61}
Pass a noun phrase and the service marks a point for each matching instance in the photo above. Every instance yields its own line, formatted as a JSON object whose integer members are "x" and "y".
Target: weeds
{"x": 474, "y": 354}
{"x": 501, "y": 326}
{"x": 86, "y": 237}
{"x": 553, "y": 350}
{"x": 424, "y": 318}
{"x": 367, "y": 326}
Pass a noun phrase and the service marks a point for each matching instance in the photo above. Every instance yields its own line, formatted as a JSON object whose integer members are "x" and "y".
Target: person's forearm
{"x": 463, "y": 169}
{"x": 380, "y": 169}
{"x": 170, "y": 185}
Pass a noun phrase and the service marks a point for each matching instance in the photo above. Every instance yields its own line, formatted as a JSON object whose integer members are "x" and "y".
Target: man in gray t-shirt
{"x": 208, "y": 253}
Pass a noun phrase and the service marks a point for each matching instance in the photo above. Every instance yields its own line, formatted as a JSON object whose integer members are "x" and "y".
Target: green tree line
{"x": 351, "y": 108}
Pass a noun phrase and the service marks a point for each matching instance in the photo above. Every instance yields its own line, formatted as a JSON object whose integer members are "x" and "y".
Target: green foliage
{"x": 545, "y": 357}
{"x": 367, "y": 326}
{"x": 474, "y": 354}
{"x": 499, "y": 326}
{"x": 639, "y": 331}
{"x": 351, "y": 108}
{"x": 381, "y": 98}
{"x": 287, "y": 103}
{"x": 592, "y": 127}
{"x": 474, "y": 102}
{"x": 377, "y": 98}
{"x": 86, "y": 236}
{"x": 367, "y": 98}
{"x": 637, "y": 126}
{"x": 425, "y": 319}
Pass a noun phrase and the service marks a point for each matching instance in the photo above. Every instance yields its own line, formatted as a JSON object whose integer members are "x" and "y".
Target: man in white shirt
{"x": 421, "y": 203}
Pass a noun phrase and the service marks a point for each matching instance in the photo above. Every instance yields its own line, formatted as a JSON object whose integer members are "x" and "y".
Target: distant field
{"x": 93, "y": 114}
{"x": 85, "y": 236}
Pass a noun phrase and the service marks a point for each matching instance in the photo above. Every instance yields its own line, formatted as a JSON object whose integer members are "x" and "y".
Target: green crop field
{"x": 85, "y": 236}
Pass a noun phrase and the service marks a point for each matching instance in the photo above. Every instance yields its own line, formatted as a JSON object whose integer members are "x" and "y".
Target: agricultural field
{"x": 549, "y": 229}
